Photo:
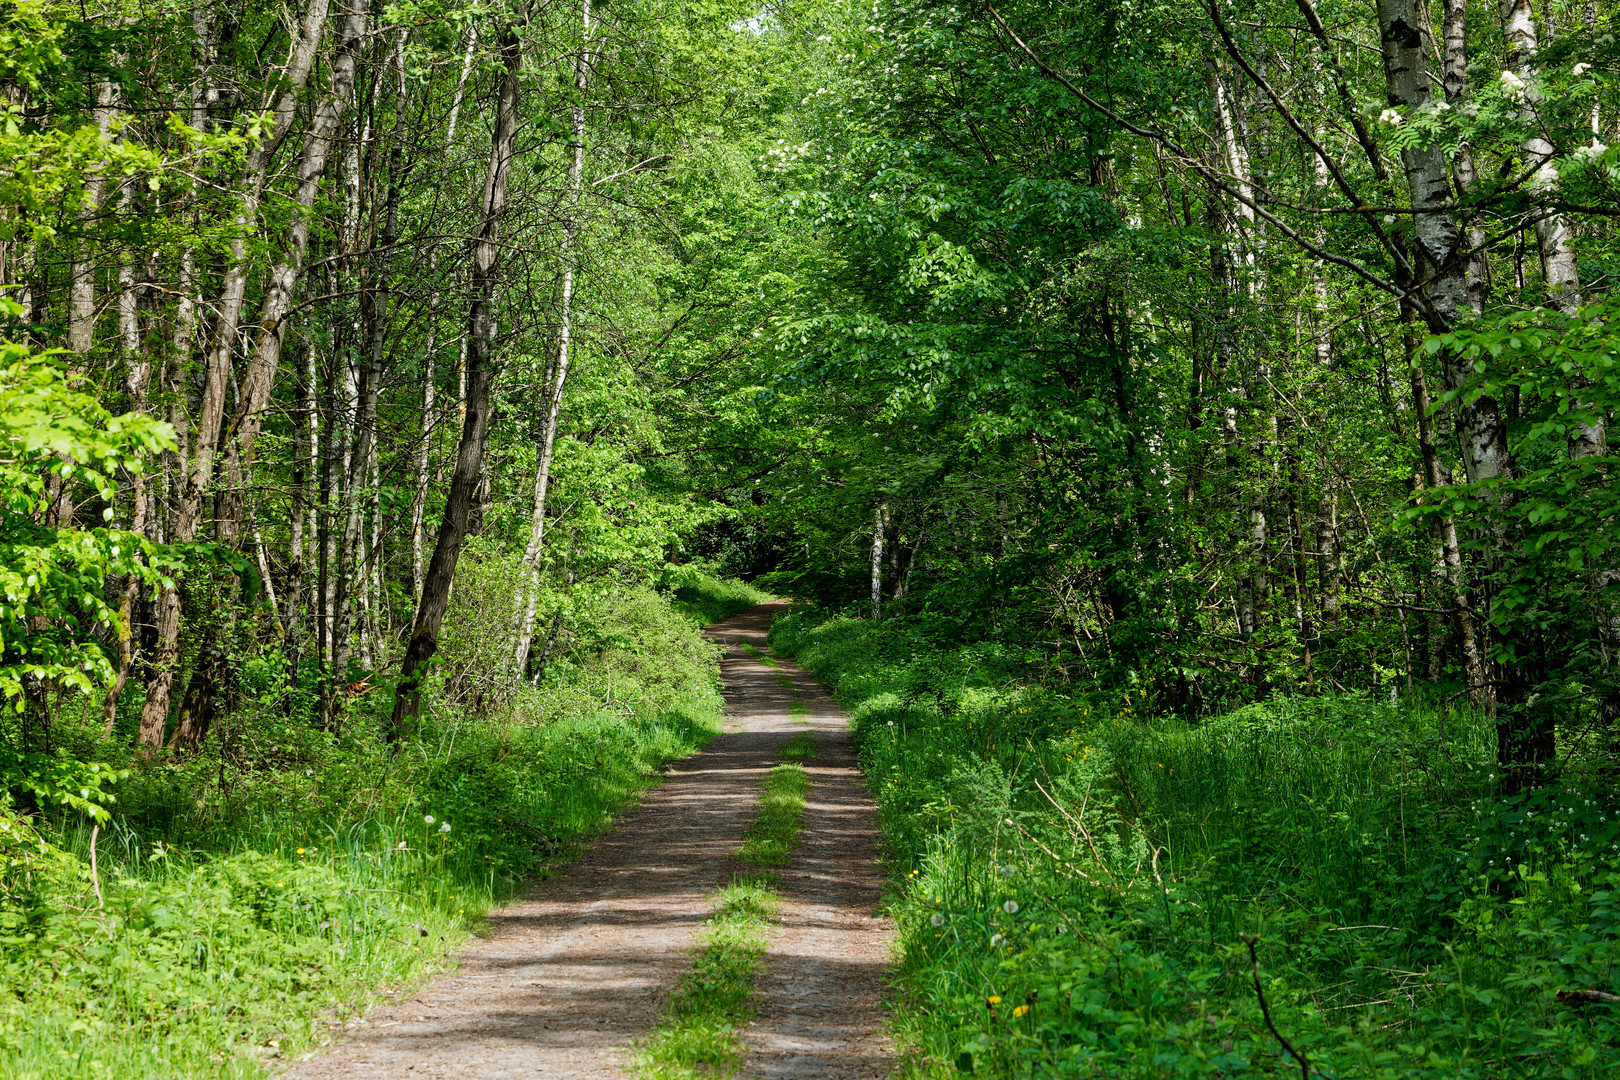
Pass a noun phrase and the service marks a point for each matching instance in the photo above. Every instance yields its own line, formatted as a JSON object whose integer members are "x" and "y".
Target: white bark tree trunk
{"x": 529, "y": 575}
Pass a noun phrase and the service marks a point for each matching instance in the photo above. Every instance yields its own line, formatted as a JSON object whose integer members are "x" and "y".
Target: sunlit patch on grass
{"x": 700, "y": 1034}
{"x": 774, "y": 834}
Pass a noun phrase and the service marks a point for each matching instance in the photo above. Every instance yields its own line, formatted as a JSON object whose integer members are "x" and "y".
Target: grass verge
{"x": 1078, "y": 882}
{"x": 255, "y": 897}
{"x": 700, "y": 1034}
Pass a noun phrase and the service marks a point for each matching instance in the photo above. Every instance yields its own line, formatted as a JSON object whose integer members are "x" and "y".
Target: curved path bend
{"x": 565, "y": 981}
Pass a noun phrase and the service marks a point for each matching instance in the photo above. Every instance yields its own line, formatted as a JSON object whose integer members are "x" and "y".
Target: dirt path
{"x": 566, "y": 980}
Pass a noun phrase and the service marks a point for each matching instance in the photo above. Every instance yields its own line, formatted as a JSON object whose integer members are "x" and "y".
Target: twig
{"x": 1055, "y": 856}
{"x": 1587, "y": 995}
{"x": 95, "y": 877}
{"x": 1085, "y": 832}
{"x": 1265, "y": 1010}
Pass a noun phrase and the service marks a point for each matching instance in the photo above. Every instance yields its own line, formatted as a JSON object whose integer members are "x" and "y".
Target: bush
{"x": 703, "y": 596}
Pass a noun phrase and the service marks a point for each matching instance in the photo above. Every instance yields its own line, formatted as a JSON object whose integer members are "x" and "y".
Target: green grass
{"x": 285, "y": 879}
{"x": 211, "y": 962}
{"x": 1095, "y": 871}
{"x": 764, "y": 657}
{"x": 705, "y": 597}
{"x": 700, "y": 1033}
{"x": 800, "y": 746}
{"x": 773, "y": 835}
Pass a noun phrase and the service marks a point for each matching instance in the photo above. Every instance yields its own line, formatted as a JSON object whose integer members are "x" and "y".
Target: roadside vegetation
{"x": 1078, "y": 880}
{"x": 254, "y": 899}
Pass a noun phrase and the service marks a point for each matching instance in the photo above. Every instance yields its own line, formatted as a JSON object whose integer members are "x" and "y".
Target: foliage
{"x": 51, "y": 579}
{"x": 705, "y": 596}
{"x": 1077, "y": 877}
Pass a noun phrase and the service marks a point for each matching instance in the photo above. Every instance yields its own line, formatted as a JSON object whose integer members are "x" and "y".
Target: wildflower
{"x": 1391, "y": 117}
{"x": 400, "y": 846}
{"x": 1512, "y": 84}
{"x": 993, "y": 999}
{"x": 1021, "y": 1010}
{"x": 995, "y": 940}
{"x": 445, "y": 827}
{"x": 1010, "y": 907}
{"x": 1580, "y": 69}
{"x": 1007, "y": 871}
{"x": 937, "y": 919}
{"x": 427, "y": 819}
{"x": 1592, "y": 152}
{"x": 300, "y": 851}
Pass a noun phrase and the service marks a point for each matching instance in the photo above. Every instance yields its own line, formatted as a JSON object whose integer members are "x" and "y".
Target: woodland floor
{"x": 566, "y": 981}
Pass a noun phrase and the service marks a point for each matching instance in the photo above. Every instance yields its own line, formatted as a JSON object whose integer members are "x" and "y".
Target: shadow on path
{"x": 565, "y": 980}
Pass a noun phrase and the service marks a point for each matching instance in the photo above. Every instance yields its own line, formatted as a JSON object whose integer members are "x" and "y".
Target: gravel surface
{"x": 566, "y": 980}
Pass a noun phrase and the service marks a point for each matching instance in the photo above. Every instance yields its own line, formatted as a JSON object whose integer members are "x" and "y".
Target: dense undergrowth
{"x": 1077, "y": 881}
{"x": 705, "y": 596}
{"x": 256, "y": 896}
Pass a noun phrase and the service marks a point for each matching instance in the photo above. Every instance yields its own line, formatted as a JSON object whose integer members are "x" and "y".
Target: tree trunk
{"x": 430, "y": 420}
{"x": 1554, "y": 241}
{"x": 424, "y": 640}
{"x": 529, "y": 575}
{"x": 200, "y": 707}
{"x": 196, "y": 476}
{"x": 880, "y": 524}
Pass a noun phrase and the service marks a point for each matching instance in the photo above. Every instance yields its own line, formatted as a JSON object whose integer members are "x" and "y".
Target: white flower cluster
{"x": 1391, "y": 117}
{"x": 1593, "y": 152}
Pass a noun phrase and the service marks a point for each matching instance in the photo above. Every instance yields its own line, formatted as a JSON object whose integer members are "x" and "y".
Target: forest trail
{"x": 565, "y": 981}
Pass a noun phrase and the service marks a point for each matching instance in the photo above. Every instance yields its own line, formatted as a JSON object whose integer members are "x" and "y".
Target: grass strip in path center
{"x": 713, "y": 1002}
{"x": 774, "y": 834}
{"x": 796, "y": 708}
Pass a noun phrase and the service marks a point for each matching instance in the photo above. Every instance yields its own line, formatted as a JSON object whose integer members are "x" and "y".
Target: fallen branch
{"x": 1265, "y": 1010}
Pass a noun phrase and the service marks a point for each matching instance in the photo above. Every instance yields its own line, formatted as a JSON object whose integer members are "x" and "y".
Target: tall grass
{"x": 255, "y": 898}
{"x": 1079, "y": 880}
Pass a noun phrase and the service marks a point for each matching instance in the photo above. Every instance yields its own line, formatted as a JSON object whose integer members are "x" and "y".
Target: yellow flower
{"x": 300, "y": 851}
{"x": 1021, "y": 1010}
{"x": 994, "y": 999}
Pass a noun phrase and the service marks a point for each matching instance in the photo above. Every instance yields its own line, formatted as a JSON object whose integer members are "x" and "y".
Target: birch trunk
{"x": 424, "y": 640}
{"x": 265, "y": 362}
{"x": 197, "y": 467}
{"x": 1554, "y": 241}
{"x": 529, "y": 574}
{"x": 880, "y": 524}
